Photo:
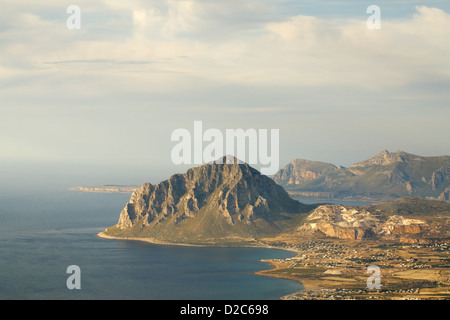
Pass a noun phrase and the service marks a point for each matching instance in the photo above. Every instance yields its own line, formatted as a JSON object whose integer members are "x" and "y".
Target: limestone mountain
{"x": 207, "y": 203}
{"x": 386, "y": 175}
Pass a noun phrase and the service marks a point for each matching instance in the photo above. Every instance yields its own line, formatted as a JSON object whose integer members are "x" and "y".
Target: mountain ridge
{"x": 386, "y": 175}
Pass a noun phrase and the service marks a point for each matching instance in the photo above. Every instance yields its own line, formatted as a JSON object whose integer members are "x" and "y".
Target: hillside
{"x": 406, "y": 220}
{"x": 210, "y": 203}
{"x": 387, "y": 175}
{"x": 413, "y": 206}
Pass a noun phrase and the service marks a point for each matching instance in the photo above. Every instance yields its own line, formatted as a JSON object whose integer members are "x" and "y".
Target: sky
{"x": 98, "y": 104}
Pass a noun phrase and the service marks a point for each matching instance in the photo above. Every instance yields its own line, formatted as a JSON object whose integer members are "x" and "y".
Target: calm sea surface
{"x": 44, "y": 232}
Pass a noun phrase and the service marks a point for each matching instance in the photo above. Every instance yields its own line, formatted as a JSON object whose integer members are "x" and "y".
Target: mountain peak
{"x": 226, "y": 167}
{"x": 215, "y": 200}
{"x": 385, "y": 158}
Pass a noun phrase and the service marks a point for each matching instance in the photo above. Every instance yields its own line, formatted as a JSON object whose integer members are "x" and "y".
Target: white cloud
{"x": 300, "y": 50}
{"x": 171, "y": 60}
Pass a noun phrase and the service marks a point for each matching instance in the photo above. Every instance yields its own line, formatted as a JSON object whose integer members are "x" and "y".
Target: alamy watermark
{"x": 73, "y": 22}
{"x": 74, "y": 280}
{"x": 374, "y": 21}
{"x": 374, "y": 281}
{"x": 251, "y": 146}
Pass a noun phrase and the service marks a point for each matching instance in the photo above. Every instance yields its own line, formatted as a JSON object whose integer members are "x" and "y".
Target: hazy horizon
{"x": 51, "y": 175}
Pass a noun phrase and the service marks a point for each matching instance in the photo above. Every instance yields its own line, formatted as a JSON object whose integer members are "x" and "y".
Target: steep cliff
{"x": 210, "y": 202}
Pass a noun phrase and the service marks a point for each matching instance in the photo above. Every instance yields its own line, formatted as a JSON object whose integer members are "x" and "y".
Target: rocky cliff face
{"x": 302, "y": 171}
{"x": 213, "y": 200}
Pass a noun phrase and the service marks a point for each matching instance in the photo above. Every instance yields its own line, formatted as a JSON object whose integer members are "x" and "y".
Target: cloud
{"x": 226, "y": 42}
{"x": 143, "y": 67}
{"x": 346, "y": 52}
{"x": 101, "y": 61}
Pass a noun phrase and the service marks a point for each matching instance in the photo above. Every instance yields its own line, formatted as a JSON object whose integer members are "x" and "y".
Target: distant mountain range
{"x": 387, "y": 175}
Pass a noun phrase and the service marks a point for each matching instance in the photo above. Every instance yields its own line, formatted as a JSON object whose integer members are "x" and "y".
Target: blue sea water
{"x": 44, "y": 232}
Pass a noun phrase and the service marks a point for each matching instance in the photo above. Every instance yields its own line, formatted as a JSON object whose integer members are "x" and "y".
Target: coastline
{"x": 402, "y": 277}
{"x": 149, "y": 240}
{"x": 156, "y": 241}
{"x": 274, "y": 265}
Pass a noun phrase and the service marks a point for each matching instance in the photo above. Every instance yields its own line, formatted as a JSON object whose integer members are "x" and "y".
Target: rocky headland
{"x": 210, "y": 204}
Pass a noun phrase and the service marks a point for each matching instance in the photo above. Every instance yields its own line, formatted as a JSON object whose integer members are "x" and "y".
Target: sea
{"x": 44, "y": 231}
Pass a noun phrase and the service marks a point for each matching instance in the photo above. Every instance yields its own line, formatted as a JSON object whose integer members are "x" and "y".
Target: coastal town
{"x": 335, "y": 269}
